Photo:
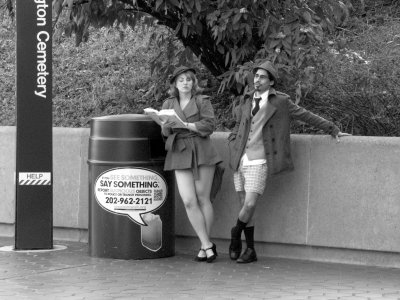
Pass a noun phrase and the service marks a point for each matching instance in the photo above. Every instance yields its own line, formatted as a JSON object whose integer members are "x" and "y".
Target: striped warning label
{"x": 25, "y": 178}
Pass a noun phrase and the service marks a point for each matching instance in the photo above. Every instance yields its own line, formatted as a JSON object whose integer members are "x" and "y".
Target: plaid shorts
{"x": 250, "y": 178}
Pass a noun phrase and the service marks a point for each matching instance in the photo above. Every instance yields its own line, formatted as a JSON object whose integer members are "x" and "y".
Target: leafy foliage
{"x": 7, "y": 6}
{"x": 359, "y": 85}
{"x": 227, "y": 36}
{"x": 354, "y": 82}
{"x": 7, "y": 70}
{"x": 107, "y": 76}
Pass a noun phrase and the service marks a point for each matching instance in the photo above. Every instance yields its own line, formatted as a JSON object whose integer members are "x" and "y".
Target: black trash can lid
{"x": 125, "y": 138}
{"x": 124, "y": 117}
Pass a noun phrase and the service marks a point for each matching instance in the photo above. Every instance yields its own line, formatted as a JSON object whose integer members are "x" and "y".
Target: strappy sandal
{"x": 214, "y": 255}
{"x": 201, "y": 258}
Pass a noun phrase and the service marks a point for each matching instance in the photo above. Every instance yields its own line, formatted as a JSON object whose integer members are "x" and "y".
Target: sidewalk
{"x": 72, "y": 274}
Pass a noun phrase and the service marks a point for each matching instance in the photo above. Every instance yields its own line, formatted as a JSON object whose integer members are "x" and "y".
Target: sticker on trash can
{"x": 131, "y": 191}
{"x": 151, "y": 235}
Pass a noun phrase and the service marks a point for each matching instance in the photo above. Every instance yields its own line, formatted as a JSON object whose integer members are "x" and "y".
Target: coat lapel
{"x": 270, "y": 109}
{"x": 246, "y": 108}
{"x": 191, "y": 108}
{"x": 178, "y": 110}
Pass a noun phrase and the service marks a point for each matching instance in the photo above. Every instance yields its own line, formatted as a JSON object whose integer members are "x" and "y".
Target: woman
{"x": 191, "y": 154}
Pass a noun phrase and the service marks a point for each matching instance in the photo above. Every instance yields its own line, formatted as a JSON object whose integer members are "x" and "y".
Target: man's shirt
{"x": 245, "y": 160}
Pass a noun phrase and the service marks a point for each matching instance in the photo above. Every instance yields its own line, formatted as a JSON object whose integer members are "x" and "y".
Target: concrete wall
{"x": 7, "y": 171}
{"x": 341, "y": 195}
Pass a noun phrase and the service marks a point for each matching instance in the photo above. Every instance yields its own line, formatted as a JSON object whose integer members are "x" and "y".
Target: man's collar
{"x": 263, "y": 95}
{"x": 271, "y": 91}
{"x": 250, "y": 94}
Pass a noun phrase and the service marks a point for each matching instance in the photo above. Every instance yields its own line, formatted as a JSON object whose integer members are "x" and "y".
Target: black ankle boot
{"x": 235, "y": 248}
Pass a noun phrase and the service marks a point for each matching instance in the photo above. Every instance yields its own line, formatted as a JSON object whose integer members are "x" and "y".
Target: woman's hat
{"x": 269, "y": 67}
{"x": 178, "y": 71}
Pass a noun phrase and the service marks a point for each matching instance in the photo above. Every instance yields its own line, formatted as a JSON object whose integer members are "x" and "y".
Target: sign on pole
{"x": 34, "y": 157}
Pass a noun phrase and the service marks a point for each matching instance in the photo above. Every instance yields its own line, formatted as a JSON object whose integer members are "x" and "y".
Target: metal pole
{"x": 34, "y": 155}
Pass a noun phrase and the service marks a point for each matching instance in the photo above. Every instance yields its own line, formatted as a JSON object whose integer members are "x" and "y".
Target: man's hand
{"x": 340, "y": 134}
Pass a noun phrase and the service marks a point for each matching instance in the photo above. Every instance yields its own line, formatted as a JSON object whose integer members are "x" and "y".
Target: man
{"x": 260, "y": 147}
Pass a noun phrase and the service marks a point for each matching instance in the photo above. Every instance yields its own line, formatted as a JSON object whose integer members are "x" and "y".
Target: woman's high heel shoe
{"x": 211, "y": 258}
{"x": 201, "y": 258}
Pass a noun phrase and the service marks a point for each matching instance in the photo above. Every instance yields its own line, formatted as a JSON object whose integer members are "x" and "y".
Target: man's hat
{"x": 269, "y": 67}
{"x": 178, "y": 71}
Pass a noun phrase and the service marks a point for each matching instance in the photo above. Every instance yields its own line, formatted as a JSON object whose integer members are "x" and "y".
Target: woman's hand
{"x": 191, "y": 126}
{"x": 165, "y": 128}
{"x": 340, "y": 134}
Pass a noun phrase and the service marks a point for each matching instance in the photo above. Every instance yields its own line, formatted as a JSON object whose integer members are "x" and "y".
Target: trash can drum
{"x": 131, "y": 198}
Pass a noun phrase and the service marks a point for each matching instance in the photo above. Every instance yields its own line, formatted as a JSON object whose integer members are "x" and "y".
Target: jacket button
{"x": 271, "y": 126}
{"x": 275, "y": 152}
{"x": 273, "y": 139}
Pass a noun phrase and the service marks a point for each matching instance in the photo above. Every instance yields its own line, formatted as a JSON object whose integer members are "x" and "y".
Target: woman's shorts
{"x": 251, "y": 178}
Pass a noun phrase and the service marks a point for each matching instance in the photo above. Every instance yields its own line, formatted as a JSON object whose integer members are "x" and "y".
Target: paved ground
{"x": 72, "y": 274}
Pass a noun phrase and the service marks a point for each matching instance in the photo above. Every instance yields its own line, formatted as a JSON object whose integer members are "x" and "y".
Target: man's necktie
{"x": 257, "y": 106}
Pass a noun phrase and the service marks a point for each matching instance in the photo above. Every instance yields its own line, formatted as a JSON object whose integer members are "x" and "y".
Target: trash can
{"x": 131, "y": 198}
